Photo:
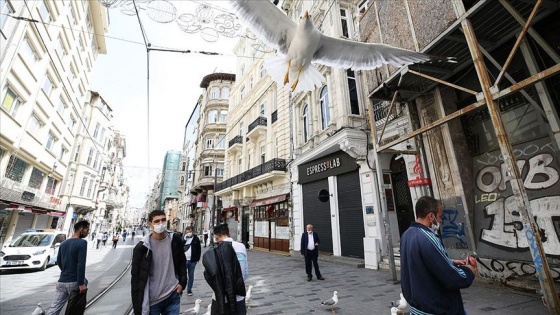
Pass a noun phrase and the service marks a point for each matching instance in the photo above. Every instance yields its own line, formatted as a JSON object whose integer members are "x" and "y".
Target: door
{"x": 245, "y": 226}
{"x": 350, "y": 215}
{"x": 401, "y": 191}
{"x": 318, "y": 213}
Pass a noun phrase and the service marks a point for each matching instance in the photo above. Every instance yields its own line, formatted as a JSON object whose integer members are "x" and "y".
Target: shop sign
{"x": 330, "y": 165}
{"x": 419, "y": 180}
{"x": 268, "y": 201}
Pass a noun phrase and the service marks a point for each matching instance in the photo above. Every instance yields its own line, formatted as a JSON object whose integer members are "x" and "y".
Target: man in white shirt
{"x": 310, "y": 250}
{"x": 192, "y": 254}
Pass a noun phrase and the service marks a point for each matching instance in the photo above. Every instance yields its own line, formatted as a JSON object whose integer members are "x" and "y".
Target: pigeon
{"x": 209, "y": 310}
{"x": 301, "y": 44}
{"x": 195, "y": 309}
{"x": 396, "y": 311}
{"x": 332, "y": 301}
{"x": 38, "y": 310}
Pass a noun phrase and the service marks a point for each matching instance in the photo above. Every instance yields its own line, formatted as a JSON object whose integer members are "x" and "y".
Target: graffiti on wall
{"x": 502, "y": 271}
{"x": 452, "y": 229}
{"x": 498, "y": 220}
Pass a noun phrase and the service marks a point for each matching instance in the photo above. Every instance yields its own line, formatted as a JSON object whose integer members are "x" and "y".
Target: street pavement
{"x": 280, "y": 286}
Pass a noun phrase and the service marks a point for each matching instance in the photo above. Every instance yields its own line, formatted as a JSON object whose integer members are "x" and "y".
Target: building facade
{"x": 168, "y": 193}
{"x": 208, "y": 166}
{"x": 44, "y": 76}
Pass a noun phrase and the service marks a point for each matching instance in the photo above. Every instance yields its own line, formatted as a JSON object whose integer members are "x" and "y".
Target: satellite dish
{"x": 323, "y": 195}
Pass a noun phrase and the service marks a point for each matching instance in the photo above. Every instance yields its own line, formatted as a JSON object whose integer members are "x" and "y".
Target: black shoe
{"x": 320, "y": 278}
{"x": 308, "y": 278}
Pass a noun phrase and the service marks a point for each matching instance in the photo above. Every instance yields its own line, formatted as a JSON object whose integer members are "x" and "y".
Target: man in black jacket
{"x": 192, "y": 254}
{"x": 159, "y": 270}
{"x": 223, "y": 273}
{"x": 310, "y": 250}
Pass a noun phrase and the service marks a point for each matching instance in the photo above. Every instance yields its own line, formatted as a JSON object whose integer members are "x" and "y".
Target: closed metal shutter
{"x": 42, "y": 221}
{"x": 318, "y": 213}
{"x": 25, "y": 220}
{"x": 350, "y": 215}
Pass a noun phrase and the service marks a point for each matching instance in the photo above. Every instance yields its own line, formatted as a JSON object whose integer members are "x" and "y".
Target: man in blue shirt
{"x": 430, "y": 280}
{"x": 72, "y": 262}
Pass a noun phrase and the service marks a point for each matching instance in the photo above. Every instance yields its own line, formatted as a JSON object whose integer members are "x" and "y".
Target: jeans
{"x": 190, "y": 270}
{"x": 63, "y": 292}
{"x": 169, "y": 306}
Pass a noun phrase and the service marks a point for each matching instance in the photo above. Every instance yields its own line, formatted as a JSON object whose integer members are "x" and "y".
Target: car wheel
{"x": 44, "y": 266}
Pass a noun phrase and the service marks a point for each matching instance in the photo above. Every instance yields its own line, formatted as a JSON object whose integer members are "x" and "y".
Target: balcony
{"x": 257, "y": 128}
{"x": 263, "y": 169}
{"x": 235, "y": 144}
{"x": 113, "y": 201}
{"x": 17, "y": 192}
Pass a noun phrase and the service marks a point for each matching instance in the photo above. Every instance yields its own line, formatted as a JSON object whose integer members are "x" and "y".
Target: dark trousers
{"x": 311, "y": 256}
{"x": 239, "y": 306}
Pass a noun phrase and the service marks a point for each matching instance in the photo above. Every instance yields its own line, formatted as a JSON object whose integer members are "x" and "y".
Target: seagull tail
{"x": 276, "y": 67}
{"x": 309, "y": 80}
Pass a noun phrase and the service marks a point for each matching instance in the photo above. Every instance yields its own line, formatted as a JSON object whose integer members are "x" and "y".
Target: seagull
{"x": 396, "y": 311}
{"x": 195, "y": 309}
{"x": 401, "y": 304}
{"x": 332, "y": 301}
{"x": 301, "y": 44}
{"x": 38, "y": 310}
{"x": 208, "y": 310}
{"x": 248, "y": 296}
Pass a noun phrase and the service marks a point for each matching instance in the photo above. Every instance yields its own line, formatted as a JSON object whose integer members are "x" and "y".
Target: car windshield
{"x": 33, "y": 240}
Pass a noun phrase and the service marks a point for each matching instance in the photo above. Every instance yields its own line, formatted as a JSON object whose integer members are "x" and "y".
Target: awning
{"x": 229, "y": 209}
{"x": 268, "y": 201}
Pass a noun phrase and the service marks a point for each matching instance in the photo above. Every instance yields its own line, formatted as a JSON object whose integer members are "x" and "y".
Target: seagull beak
{"x": 306, "y": 15}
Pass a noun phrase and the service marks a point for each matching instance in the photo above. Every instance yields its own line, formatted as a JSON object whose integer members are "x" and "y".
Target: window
{"x": 71, "y": 122}
{"x": 83, "y": 187}
{"x": 11, "y": 101}
{"x": 51, "y": 186}
{"x": 242, "y": 70}
{"x": 16, "y": 168}
{"x": 305, "y": 123}
{"x": 219, "y": 172}
{"x": 36, "y": 178}
{"x": 183, "y": 166}
{"x": 51, "y": 141}
{"x": 344, "y": 22}
{"x": 102, "y": 135}
{"x": 89, "y": 24}
{"x": 45, "y": 12}
{"x": 90, "y": 186}
{"x": 363, "y": 5}
{"x": 96, "y": 160}
{"x": 28, "y": 50}
{"x": 263, "y": 152}
{"x": 242, "y": 93}
{"x": 61, "y": 107}
{"x": 63, "y": 152}
{"x": 6, "y": 8}
{"x": 277, "y": 147}
{"x": 212, "y": 116}
{"x": 223, "y": 116}
{"x": 325, "y": 112}
{"x": 214, "y": 93}
{"x": 60, "y": 48}
{"x": 182, "y": 181}
{"x": 90, "y": 156}
{"x": 221, "y": 140}
{"x": 209, "y": 141}
{"x": 250, "y": 83}
{"x": 72, "y": 16}
{"x": 225, "y": 93}
{"x": 262, "y": 110}
{"x": 77, "y": 154}
{"x": 263, "y": 71}
{"x": 208, "y": 170}
{"x": 35, "y": 124}
{"x": 240, "y": 128}
{"x": 47, "y": 86}
{"x": 96, "y": 130}
{"x": 239, "y": 166}
{"x": 354, "y": 105}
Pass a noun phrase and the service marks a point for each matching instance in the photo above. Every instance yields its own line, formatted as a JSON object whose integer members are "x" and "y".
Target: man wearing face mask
{"x": 72, "y": 284}
{"x": 430, "y": 280}
{"x": 159, "y": 270}
{"x": 192, "y": 253}
{"x": 310, "y": 250}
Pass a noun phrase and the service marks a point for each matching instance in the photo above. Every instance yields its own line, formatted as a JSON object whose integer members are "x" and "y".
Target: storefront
{"x": 339, "y": 220}
{"x": 271, "y": 223}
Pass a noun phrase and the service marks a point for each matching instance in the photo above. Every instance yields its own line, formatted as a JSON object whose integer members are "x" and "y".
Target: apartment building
{"x": 168, "y": 191}
{"x": 46, "y": 60}
{"x": 208, "y": 166}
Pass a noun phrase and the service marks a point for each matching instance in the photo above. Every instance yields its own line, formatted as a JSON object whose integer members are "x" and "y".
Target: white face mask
{"x": 160, "y": 228}
{"x": 310, "y": 232}
{"x": 435, "y": 226}
{"x": 189, "y": 234}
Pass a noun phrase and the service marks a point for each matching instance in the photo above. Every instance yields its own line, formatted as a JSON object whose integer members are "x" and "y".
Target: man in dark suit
{"x": 310, "y": 250}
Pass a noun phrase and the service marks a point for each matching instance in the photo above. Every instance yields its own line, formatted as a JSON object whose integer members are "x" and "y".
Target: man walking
{"x": 99, "y": 238}
{"x": 205, "y": 233}
{"x": 430, "y": 280}
{"x": 72, "y": 283}
{"x": 159, "y": 270}
{"x": 223, "y": 274}
{"x": 192, "y": 254}
{"x": 221, "y": 234}
{"x": 310, "y": 250}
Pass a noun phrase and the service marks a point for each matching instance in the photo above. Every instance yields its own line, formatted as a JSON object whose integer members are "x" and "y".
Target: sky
{"x": 120, "y": 77}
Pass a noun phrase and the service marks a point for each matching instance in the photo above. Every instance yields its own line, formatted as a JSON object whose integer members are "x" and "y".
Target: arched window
{"x": 263, "y": 71}
{"x": 325, "y": 112}
{"x": 214, "y": 93}
{"x": 225, "y": 93}
{"x": 182, "y": 181}
{"x": 306, "y": 123}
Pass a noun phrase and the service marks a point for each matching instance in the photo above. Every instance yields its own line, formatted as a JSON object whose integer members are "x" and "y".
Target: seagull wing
{"x": 341, "y": 53}
{"x": 329, "y": 302}
{"x": 267, "y": 22}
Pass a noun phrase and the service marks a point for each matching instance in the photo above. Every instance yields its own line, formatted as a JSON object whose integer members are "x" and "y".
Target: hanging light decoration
{"x": 161, "y": 11}
{"x": 204, "y": 14}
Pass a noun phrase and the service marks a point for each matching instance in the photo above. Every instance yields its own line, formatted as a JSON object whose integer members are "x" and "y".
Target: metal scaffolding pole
{"x": 520, "y": 195}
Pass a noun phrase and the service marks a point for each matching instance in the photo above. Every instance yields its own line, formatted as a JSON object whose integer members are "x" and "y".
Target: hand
{"x": 316, "y": 244}
{"x": 179, "y": 289}
{"x": 473, "y": 269}
{"x": 459, "y": 262}
{"x": 82, "y": 288}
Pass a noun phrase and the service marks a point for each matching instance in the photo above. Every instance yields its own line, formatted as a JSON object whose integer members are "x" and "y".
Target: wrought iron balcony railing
{"x": 265, "y": 168}
{"x": 235, "y": 140}
{"x": 261, "y": 121}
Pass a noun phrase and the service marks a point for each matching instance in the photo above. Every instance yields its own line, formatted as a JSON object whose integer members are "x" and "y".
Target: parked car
{"x": 31, "y": 250}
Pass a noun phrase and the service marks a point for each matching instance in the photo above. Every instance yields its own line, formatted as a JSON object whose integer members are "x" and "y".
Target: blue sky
{"x": 120, "y": 77}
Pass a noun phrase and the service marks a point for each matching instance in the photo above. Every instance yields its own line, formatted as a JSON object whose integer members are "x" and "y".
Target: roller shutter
{"x": 350, "y": 215}
{"x": 25, "y": 220}
{"x": 42, "y": 220}
{"x": 318, "y": 213}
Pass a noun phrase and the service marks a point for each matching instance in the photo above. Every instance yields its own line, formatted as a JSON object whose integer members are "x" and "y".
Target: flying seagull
{"x": 301, "y": 44}
{"x": 332, "y": 301}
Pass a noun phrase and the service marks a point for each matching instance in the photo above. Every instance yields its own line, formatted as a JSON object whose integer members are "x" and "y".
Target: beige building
{"x": 44, "y": 77}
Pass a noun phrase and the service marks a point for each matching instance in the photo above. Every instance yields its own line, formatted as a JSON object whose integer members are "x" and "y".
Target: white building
{"x": 45, "y": 68}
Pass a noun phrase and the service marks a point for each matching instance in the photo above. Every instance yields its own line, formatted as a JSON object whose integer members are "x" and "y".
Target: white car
{"x": 31, "y": 250}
